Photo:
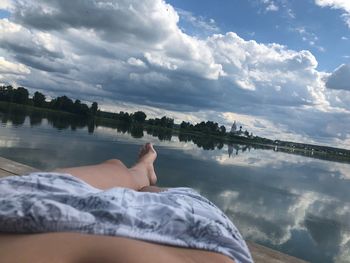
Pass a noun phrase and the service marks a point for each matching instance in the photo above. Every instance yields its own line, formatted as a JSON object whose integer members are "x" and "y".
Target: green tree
{"x": 80, "y": 108}
{"x": 6, "y": 93}
{"x": 139, "y": 116}
{"x": 64, "y": 103}
{"x": 39, "y": 99}
{"x": 77, "y": 106}
{"x": 124, "y": 117}
{"x": 166, "y": 122}
{"x": 222, "y": 129}
{"x": 94, "y": 108}
{"x": 185, "y": 125}
{"x": 21, "y": 95}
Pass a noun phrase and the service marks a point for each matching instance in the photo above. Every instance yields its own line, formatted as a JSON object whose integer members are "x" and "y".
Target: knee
{"x": 114, "y": 162}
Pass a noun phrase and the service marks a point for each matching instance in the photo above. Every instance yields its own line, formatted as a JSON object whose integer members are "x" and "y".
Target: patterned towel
{"x": 53, "y": 202}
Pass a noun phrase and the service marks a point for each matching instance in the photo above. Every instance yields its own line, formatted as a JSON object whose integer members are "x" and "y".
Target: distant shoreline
{"x": 202, "y": 139}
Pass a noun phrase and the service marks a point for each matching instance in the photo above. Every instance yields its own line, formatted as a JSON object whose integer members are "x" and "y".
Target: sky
{"x": 280, "y": 68}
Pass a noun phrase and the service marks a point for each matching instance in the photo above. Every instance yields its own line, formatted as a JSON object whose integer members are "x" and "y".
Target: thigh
{"x": 82, "y": 248}
{"x": 109, "y": 174}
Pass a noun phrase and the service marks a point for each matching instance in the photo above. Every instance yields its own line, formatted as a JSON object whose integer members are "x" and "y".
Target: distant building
{"x": 234, "y": 127}
{"x": 235, "y": 130}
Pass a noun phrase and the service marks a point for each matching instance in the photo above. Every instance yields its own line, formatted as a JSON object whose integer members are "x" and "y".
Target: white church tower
{"x": 234, "y": 128}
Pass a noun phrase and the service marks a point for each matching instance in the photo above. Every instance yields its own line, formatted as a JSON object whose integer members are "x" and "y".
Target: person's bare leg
{"x": 147, "y": 156}
{"x": 113, "y": 173}
{"x": 144, "y": 166}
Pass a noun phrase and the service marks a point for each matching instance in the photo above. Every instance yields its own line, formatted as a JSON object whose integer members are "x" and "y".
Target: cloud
{"x": 136, "y": 62}
{"x": 200, "y": 23}
{"x": 6, "y": 5}
{"x": 270, "y": 74}
{"x": 290, "y": 13}
{"x": 7, "y": 67}
{"x": 37, "y": 50}
{"x": 282, "y": 7}
{"x": 309, "y": 37}
{"x": 343, "y": 5}
{"x": 270, "y": 5}
{"x": 136, "y": 52}
{"x": 340, "y": 78}
{"x": 112, "y": 20}
{"x": 12, "y": 71}
{"x": 167, "y": 55}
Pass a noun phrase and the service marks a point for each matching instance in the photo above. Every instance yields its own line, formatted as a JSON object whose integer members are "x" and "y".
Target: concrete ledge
{"x": 265, "y": 254}
{"x": 8, "y": 167}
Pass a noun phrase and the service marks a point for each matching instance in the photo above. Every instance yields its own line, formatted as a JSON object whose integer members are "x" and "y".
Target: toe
{"x": 150, "y": 147}
{"x": 142, "y": 150}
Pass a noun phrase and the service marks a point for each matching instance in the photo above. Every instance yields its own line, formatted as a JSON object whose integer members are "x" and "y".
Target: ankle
{"x": 139, "y": 173}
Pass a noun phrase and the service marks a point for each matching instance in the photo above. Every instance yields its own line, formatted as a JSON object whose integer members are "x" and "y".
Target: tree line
{"x": 20, "y": 95}
{"x": 208, "y": 127}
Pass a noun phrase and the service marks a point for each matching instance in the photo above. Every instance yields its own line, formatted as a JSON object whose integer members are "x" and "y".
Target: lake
{"x": 295, "y": 204}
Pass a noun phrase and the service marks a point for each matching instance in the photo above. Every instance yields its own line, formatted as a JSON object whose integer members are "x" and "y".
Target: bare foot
{"x": 143, "y": 170}
{"x": 147, "y": 156}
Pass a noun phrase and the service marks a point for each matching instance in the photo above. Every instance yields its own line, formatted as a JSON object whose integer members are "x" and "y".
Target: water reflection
{"x": 288, "y": 202}
{"x": 236, "y": 148}
{"x": 296, "y": 207}
{"x": 61, "y": 121}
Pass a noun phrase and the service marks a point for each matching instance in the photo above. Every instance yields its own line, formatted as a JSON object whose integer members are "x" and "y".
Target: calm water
{"x": 291, "y": 203}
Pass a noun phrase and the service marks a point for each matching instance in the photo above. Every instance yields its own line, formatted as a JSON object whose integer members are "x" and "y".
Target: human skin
{"x": 83, "y": 248}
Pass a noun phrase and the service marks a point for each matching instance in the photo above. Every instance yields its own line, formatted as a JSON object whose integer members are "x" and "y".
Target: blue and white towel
{"x": 53, "y": 202}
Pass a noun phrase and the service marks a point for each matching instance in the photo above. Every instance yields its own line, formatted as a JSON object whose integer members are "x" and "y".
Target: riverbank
{"x": 205, "y": 140}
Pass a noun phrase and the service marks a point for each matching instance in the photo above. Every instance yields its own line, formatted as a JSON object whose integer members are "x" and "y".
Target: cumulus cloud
{"x": 272, "y": 73}
{"x": 7, "y": 67}
{"x": 6, "y": 4}
{"x": 343, "y": 5}
{"x": 112, "y": 20}
{"x": 167, "y": 52}
{"x": 340, "y": 78}
{"x": 37, "y": 50}
{"x": 136, "y": 52}
{"x": 11, "y": 71}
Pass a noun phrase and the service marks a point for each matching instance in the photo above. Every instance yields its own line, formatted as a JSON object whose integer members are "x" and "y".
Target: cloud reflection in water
{"x": 296, "y": 204}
